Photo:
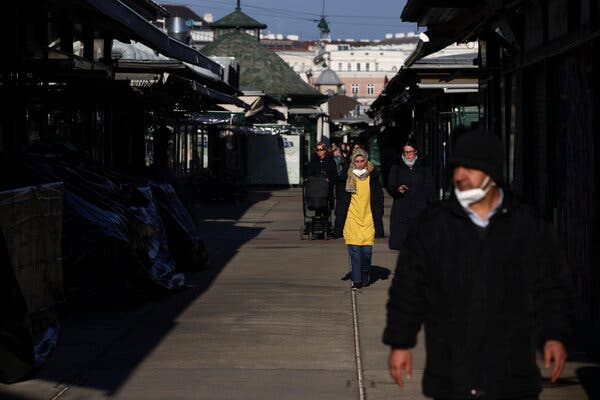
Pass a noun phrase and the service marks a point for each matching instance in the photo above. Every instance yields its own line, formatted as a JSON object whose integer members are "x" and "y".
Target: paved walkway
{"x": 273, "y": 318}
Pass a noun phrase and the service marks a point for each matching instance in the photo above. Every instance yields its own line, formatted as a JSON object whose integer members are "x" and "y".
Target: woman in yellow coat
{"x": 361, "y": 215}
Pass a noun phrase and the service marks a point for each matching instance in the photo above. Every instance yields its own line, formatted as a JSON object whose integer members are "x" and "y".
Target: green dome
{"x": 260, "y": 68}
{"x": 239, "y": 20}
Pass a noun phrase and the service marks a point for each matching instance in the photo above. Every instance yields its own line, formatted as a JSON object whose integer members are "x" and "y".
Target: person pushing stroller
{"x": 323, "y": 164}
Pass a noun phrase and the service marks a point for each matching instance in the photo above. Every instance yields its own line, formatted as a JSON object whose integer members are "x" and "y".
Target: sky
{"x": 356, "y": 19}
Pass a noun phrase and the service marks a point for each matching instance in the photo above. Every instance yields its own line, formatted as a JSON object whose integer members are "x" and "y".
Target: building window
{"x": 354, "y": 88}
{"x": 339, "y": 66}
{"x": 349, "y": 67}
{"x": 376, "y": 66}
{"x": 367, "y": 66}
{"x": 370, "y": 88}
{"x": 358, "y": 66}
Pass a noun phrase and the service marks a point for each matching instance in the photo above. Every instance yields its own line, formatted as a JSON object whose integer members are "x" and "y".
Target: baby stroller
{"x": 317, "y": 203}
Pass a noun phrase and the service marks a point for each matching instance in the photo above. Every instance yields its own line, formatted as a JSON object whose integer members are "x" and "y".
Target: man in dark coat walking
{"x": 486, "y": 279}
{"x": 411, "y": 186}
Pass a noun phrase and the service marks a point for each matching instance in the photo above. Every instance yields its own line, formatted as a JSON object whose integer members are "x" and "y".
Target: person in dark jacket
{"x": 486, "y": 279}
{"x": 411, "y": 186}
{"x": 322, "y": 164}
{"x": 361, "y": 215}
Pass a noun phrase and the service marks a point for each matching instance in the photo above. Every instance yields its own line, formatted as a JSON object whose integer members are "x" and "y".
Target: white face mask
{"x": 468, "y": 197}
{"x": 409, "y": 163}
{"x": 359, "y": 172}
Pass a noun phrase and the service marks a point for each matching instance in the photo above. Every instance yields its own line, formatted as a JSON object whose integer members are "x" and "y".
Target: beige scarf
{"x": 351, "y": 178}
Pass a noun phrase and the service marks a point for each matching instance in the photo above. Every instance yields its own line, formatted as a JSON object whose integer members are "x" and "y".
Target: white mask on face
{"x": 359, "y": 172}
{"x": 468, "y": 197}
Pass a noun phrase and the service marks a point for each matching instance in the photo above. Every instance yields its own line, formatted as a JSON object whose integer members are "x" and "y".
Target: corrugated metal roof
{"x": 149, "y": 34}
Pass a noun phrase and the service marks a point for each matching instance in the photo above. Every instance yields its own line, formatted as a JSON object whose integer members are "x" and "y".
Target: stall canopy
{"x": 447, "y": 22}
{"x": 149, "y": 34}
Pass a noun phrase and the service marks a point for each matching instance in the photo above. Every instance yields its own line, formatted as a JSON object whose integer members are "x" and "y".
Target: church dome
{"x": 328, "y": 77}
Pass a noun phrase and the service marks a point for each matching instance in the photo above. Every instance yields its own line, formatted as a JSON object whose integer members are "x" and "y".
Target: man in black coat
{"x": 411, "y": 186}
{"x": 486, "y": 279}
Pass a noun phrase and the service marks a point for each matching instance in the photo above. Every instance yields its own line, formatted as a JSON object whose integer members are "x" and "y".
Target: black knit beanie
{"x": 479, "y": 150}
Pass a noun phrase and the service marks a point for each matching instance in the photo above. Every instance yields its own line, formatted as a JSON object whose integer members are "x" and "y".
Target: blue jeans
{"x": 360, "y": 259}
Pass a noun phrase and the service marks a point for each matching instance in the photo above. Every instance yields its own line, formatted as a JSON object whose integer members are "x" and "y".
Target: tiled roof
{"x": 260, "y": 68}
{"x": 238, "y": 19}
{"x": 341, "y": 105}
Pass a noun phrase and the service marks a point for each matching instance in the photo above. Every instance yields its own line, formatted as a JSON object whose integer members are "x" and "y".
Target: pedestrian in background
{"x": 340, "y": 189}
{"x": 322, "y": 163}
{"x": 486, "y": 279}
{"x": 411, "y": 186}
{"x": 336, "y": 153}
{"x": 361, "y": 215}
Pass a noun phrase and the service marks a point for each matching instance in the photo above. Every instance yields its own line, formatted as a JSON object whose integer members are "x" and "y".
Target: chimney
{"x": 177, "y": 28}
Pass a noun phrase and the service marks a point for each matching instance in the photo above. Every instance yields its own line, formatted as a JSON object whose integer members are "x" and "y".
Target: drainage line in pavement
{"x": 59, "y": 394}
{"x": 359, "y": 370}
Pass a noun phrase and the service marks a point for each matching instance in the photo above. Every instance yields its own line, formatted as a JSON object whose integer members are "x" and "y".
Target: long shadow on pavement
{"x": 100, "y": 350}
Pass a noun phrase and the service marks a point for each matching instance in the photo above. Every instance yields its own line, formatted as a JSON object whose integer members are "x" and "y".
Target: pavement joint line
{"x": 59, "y": 394}
{"x": 357, "y": 358}
{"x": 359, "y": 370}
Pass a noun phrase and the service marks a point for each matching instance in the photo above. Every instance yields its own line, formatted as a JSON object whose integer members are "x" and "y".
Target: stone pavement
{"x": 272, "y": 318}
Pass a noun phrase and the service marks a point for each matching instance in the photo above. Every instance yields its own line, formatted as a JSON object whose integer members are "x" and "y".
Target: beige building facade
{"x": 364, "y": 68}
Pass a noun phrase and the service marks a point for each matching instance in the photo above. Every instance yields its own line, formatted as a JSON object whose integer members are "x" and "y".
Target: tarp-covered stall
{"x": 31, "y": 277}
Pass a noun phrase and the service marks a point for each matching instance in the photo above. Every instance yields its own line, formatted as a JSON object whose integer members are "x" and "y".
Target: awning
{"x": 428, "y": 44}
{"x": 363, "y": 119}
{"x": 175, "y": 67}
{"x": 451, "y": 87}
{"x": 232, "y": 108}
{"x": 306, "y": 111}
{"x": 153, "y": 36}
{"x": 220, "y": 97}
{"x": 463, "y": 26}
{"x": 423, "y": 11}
